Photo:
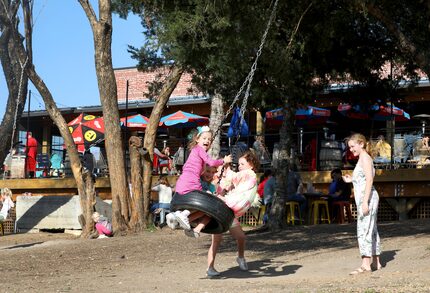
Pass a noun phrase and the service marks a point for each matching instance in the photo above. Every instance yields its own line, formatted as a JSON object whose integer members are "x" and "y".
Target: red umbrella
{"x": 135, "y": 122}
{"x": 375, "y": 112}
{"x": 87, "y": 130}
{"x": 308, "y": 115}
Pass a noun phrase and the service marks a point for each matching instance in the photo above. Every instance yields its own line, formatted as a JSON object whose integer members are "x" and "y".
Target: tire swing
{"x": 221, "y": 215}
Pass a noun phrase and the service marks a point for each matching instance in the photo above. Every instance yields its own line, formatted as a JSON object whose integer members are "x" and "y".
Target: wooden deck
{"x": 403, "y": 189}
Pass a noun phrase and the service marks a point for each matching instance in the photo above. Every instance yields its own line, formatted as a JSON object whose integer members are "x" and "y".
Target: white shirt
{"x": 164, "y": 193}
{"x": 7, "y": 205}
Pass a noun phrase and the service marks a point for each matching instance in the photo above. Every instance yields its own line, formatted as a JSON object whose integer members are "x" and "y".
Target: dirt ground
{"x": 298, "y": 259}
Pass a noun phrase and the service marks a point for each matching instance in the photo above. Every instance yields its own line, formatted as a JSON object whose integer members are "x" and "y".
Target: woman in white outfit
{"x": 366, "y": 199}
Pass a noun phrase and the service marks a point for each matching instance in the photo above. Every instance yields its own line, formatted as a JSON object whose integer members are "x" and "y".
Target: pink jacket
{"x": 193, "y": 168}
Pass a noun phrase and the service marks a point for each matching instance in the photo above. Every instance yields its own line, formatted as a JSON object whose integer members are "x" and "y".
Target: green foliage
{"x": 217, "y": 41}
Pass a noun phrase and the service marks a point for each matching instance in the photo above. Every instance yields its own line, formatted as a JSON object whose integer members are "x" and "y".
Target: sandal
{"x": 360, "y": 270}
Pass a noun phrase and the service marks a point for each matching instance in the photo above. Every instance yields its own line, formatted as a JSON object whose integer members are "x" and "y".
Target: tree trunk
{"x": 16, "y": 81}
{"x": 137, "y": 221}
{"x": 277, "y": 212}
{"x": 217, "y": 115}
{"x": 84, "y": 188}
{"x": 102, "y": 35}
{"x": 84, "y": 181}
{"x": 150, "y": 134}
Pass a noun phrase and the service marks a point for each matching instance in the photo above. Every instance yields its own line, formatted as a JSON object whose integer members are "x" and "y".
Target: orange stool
{"x": 340, "y": 207}
{"x": 315, "y": 214}
{"x": 291, "y": 208}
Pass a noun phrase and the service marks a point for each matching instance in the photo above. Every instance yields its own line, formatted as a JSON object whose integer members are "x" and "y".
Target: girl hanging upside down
{"x": 190, "y": 178}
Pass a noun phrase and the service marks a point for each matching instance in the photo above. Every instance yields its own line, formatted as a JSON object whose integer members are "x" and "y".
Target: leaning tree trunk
{"x": 276, "y": 216}
{"x": 151, "y": 131}
{"x": 84, "y": 181}
{"x": 102, "y": 35}
{"x": 137, "y": 221}
{"x": 85, "y": 189}
{"x": 16, "y": 81}
{"x": 216, "y": 118}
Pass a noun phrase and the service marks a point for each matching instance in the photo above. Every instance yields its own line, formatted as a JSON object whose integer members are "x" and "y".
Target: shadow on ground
{"x": 258, "y": 269}
{"x": 327, "y": 236}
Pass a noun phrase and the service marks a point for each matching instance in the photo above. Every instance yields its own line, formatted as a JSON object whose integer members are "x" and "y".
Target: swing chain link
{"x": 248, "y": 80}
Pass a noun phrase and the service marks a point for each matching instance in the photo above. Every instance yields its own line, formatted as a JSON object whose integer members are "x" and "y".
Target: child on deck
{"x": 192, "y": 170}
{"x": 102, "y": 225}
{"x": 6, "y": 199}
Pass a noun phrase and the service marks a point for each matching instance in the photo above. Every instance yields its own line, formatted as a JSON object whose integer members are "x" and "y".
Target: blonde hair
{"x": 6, "y": 192}
{"x": 195, "y": 137}
{"x": 360, "y": 138}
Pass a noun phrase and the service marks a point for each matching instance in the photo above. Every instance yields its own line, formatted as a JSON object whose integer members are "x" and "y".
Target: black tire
{"x": 221, "y": 215}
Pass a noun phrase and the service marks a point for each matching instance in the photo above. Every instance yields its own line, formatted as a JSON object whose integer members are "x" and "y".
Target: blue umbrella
{"x": 234, "y": 127}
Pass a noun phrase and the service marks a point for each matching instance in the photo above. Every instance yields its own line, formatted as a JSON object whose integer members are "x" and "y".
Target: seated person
{"x": 7, "y": 203}
{"x": 382, "y": 151}
{"x": 294, "y": 188}
{"x": 268, "y": 193}
{"x": 164, "y": 198}
{"x": 422, "y": 151}
{"x": 339, "y": 190}
{"x": 263, "y": 179}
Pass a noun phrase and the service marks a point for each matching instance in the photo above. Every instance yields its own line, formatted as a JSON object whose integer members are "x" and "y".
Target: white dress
{"x": 367, "y": 232}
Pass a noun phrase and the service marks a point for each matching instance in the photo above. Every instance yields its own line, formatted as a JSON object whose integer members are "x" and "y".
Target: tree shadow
{"x": 26, "y": 245}
{"x": 258, "y": 269}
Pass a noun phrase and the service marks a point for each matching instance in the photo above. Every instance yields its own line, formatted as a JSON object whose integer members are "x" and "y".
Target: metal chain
{"x": 248, "y": 79}
{"x": 17, "y": 104}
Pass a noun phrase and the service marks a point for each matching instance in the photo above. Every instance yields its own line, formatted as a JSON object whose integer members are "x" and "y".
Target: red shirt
{"x": 260, "y": 188}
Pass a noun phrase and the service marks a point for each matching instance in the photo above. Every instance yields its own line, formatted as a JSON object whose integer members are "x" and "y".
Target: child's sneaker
{"x": 182, "y": 218}
{"x": 242, "y": 263}
{"x": 171, "y": 221}
{"x": 191, "y": 233}
{"x": 211, "y": 272}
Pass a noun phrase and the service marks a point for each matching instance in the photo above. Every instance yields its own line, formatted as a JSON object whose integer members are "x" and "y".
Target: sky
{"x": 63, "y": 53}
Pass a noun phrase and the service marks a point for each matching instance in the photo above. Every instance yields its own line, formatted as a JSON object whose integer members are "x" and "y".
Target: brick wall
{"x": 138, "y": 83}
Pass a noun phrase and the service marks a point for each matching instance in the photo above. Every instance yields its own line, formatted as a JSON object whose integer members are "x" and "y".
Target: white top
{"x": 7, "y": 205}
{"x": 164, "y": 193}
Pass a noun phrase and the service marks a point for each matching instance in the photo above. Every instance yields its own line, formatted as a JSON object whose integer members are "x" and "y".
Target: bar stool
{"x": 315, "y": 214}
{"x": 261, "y": 213}
{"x": 340, "y": 207}
{"x": 291, "y": 208}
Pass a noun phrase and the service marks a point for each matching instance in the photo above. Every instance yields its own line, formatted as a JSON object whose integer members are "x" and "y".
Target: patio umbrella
{"x": 181, "y": 119}
{"x": 135, "y": 122}
{"x": 87, "y": 130}
{"x": 304, "y": 116}
{"x": 233, "y": 129}
{"x": 385, "y": 112}
{"x": 375, "y": 112}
